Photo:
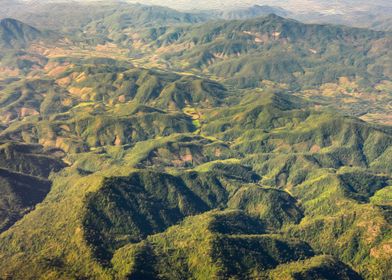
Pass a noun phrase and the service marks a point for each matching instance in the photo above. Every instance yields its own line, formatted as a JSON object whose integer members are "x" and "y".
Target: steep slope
{"x": 196, "y": 236}
{"x": 24, "y": 172}
{"x": 16, "y": 34}
{"x": 237, "y": 252}
{"x": 20, "y": 193}
{"x": 320, "y": 267}
{"x": 83, "y": 197}
{"x": 163, "y": 201}
{"x": 15, "y": 39}
{"x": 30, "y": 159}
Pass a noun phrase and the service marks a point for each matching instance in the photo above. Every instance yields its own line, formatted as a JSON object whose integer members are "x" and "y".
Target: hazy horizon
{"x": 333, "y": 7}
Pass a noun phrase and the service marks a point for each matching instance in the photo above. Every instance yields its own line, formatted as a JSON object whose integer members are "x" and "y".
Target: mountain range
{"x": 141, "y": 142}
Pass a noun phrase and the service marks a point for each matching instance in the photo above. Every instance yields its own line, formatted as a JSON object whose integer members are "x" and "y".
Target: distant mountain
{"x": 254, "y": 11}
{"x": 277, "y": 49}
{"x": 295, "y": 5}
{"x": 73, "y": 15}
{"x": 15, "y": 38}
{"x": 140, "y": 16}
{"x": 382, "y": 24}
{"x": 377, "y": 18}
{"x": 14, "y": 33}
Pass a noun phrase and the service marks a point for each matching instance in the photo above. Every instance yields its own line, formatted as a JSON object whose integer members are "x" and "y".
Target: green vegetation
{"x": 24, "y": 172}
{"x": 320, "y": 267}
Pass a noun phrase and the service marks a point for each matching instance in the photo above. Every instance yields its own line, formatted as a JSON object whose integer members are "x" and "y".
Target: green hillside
{"x": 24, "y": 172}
